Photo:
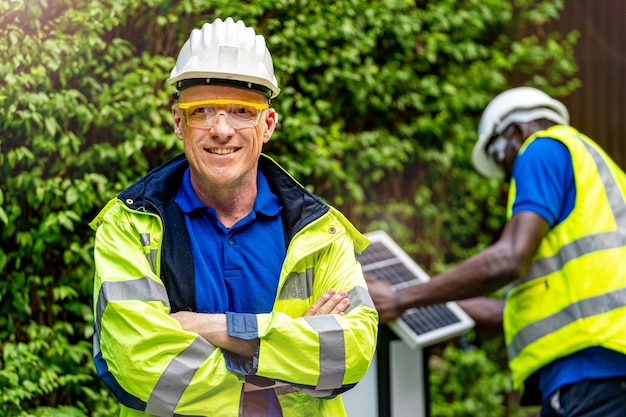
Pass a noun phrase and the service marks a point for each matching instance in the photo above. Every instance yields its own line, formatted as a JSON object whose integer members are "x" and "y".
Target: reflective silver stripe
{"x": 359, "y": 296}
{"x": 96, "y": 343}
{"x": 299, "y": 285}
{"x": 182, "y": 368}
{"x": 590, "y": 243}
{"x": 151, "y": 254}
{"x": 579, "y": 247}
{"x": 176, "y": 377}
{"x": 152, "y": 259}
{"x": 332, "y": 351}
{"x": 142, "y": 289}
{"x": 582, "y": 309}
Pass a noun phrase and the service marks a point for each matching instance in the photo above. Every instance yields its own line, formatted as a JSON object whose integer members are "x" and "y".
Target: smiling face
{"x": 222, "y": 158}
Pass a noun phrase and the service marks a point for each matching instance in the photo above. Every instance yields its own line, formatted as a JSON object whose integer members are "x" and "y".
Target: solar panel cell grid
{"x": 392, "y": 274}
{"x": 429, "y": 318}
{"x": 376, "y": 252}
{"x": 423, "y": 326}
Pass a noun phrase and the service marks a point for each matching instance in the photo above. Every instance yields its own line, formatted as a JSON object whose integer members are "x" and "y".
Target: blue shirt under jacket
{"x": 236, "y": 269}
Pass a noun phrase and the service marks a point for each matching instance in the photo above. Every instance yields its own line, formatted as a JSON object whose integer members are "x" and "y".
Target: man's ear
{"x": 270, "y": 124}
{"x": 177, "y": 117}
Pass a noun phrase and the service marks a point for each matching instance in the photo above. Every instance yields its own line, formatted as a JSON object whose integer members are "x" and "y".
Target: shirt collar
{"x": 266, "y": 202}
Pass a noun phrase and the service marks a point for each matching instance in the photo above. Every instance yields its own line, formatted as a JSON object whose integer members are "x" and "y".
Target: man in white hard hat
{"x": 561, "y": 253}
{"x": 223, "y": 287}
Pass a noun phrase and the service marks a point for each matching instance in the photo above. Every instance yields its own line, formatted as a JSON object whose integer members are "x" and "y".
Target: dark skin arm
{"x": 498, "y": 265}
{"x": 486, "y": 312}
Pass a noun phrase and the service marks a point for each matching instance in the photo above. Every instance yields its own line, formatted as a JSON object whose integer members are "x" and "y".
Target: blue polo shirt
{"x": 544, "y": 179}
{"x": 236, "y": 269}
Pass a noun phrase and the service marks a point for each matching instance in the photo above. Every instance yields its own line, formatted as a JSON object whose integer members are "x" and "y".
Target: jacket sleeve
{"x": 320, "y": 355}
{"x": 140, "y": 352}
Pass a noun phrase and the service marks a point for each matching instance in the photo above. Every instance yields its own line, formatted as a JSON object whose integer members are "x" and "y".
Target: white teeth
{"x": 222, "y": 151}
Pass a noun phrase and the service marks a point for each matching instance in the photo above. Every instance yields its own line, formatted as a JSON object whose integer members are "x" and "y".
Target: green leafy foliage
{"x": 378, "y": 114}
{"x": 79, "y": 104}
{"x": 464, "y": 383}
{"x": 467, "y": 379}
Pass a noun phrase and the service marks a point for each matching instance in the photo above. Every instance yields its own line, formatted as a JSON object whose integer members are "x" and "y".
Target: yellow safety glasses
{"x": 240, "y": 114}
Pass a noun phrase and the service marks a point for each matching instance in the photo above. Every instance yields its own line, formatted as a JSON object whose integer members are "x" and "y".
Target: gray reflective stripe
{"x": 151, "y": 254}
{"x": 152, "y": 260}
{"x": 359, "y": 296}
{"x": 299, "y": 285}
{"x": 177, "y": 376}
{"x": 580, "y": 310}
{"x": 573, "y": 250}
{"x": 142, "y": 289}
{"x": 589, "y": 243}
{"x": 182, "y": 368}
{"x": 96, "y": 343}
{"x": 332, "y": 351}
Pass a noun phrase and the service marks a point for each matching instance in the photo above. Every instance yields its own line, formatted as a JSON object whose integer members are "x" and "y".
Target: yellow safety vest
{"x": 574, "y": 294}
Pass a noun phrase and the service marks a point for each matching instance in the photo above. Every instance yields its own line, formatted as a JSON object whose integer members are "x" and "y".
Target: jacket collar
{"x": 159, "y": 186}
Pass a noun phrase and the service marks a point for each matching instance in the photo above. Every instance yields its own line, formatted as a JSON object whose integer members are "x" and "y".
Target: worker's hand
{"x": 331, "y": 302}
{"x": 384, "y": 298}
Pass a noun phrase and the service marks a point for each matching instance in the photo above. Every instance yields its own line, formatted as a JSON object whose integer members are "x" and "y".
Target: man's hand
{"x": 331, "y": 302}
{"x": 384, "y": 299}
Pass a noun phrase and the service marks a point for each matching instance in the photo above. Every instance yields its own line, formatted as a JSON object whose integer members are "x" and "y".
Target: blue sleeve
{"x": 544, "y": 180}
{"x": 242, "y": 326}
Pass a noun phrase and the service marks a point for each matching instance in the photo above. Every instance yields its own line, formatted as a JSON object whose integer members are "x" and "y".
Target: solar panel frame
{"x": 417, "y": 327}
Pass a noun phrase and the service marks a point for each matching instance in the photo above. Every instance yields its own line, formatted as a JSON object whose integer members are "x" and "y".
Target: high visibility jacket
{"x": 144, "y": 271}
{"x": 574, "y": 293}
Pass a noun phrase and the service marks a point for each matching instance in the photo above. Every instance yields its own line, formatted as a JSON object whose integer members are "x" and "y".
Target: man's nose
{"x": 222, "y": 126}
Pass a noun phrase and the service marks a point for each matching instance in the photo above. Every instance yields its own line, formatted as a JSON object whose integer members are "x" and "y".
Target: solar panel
{"x": 417, "y": 327}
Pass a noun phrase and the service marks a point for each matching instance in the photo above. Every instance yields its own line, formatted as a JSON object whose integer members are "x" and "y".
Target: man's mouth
{"x": 221, "y": 151}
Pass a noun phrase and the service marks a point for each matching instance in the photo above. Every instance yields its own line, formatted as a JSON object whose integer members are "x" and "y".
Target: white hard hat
{"x": 520, "y": 105}
{"x": 225, "y": 53}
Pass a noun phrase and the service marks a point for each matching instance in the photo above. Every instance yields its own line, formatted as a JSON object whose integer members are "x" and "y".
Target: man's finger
{"x": 341, "y": 306}
{"x": 337, "y": 304}
{"x": 320, "y": 302}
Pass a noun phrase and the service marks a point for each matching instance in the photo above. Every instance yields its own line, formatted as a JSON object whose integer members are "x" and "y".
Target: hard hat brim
{"x": 483, "y": 163}
{"x": 245, "y": 82}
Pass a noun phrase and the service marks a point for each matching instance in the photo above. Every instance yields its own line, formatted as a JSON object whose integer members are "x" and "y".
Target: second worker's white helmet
{"x": 521, "y": 105}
